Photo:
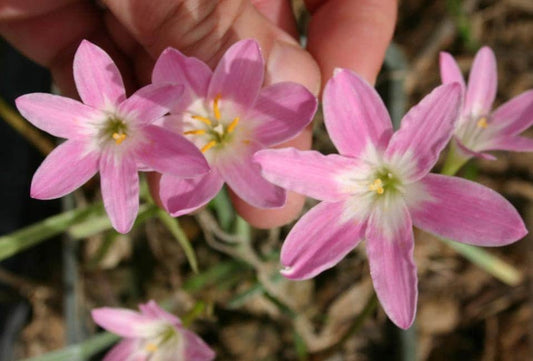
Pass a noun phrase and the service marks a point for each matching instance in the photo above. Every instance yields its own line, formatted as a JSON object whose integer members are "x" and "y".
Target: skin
{"x": 351, "y": 34}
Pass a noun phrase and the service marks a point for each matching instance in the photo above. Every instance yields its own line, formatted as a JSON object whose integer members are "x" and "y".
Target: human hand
{"x": 342, "y": 33}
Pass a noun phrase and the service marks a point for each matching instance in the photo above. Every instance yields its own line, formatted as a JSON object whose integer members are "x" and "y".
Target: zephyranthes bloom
{"x": 478, "y": 129}
{"x": 151, "y": 335}
{"x": 108, "y": 133}
{"x": 379, "y": 187}
{"x": 229, "y": 116}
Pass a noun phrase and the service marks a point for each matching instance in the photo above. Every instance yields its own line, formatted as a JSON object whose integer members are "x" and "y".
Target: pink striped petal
{"x": 126, "y": 350}
{"x": 65, "y": 169}
{"x": 320, "y": 239}
{"x": 354, "y": 114}
{"x": 150, "y": 103}
{"x": 467, "y": 212}
{"x": 469, "y": 153}
{"x": 97, "y": 78}
{"x": 59, "y": 116}
{"x": 239, "y": 75}
{"x": 426, "y": 129}
{"x": 152, "y": 309}
{"x": 120, "y": 189}
{"x": 516, "y": 115}
{"x": 244, "y": 177}
{"x": 195, "y": 348}
{"x": 168, "y": 152}
{"x": 281, "y": 112}
{"x": 126, "y": 323}
{"x": 515, "y": 144}
{"x": 450, "y": 72}
{"x": 305, "y": 172}
{"x": 482, "y": 83}
{"x": 390, "y": 247}
{"x": 185, "y": 195}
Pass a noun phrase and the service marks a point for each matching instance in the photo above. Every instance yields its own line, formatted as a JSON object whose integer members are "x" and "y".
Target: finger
{"x": 350, "y": 34}
{"x": 279, "y": 12}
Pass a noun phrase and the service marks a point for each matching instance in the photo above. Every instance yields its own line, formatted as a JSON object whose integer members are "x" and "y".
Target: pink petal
{"x": 126, "y": 323}
{"x": 516, "y": 115}
{"x": 512, "y": 143}
{"x": 467, "y": 212}
{"x": 152, "y": 309}
{"x": 97, "y": 77}
{"x": 150, "y": 103}
{"x": 244, "y": 177}
{"x": 426, "y": 129}
{"x": 390, "y": 255}
{"x": 185, "y": 195}
{"x": 281, "y": 112}
{"x": 239, "y": 75}
{"x": 319, "y": 240}
{"x": 305, "y": 172}
{"x": 120, "y": 189}
{"x": 195, "y": 348}
{"x": 469, "y": 153}
{"x": 59, "y": 116}
{"x": 174, "y": 67}
{"x": 65, "y": 169}
{"x": 168, "y": 152}
{"x": 354, "y": 114}
{"x": 125, "y": 350}
{"x": 449, "y": 71}
{"x": 482, "y": 83}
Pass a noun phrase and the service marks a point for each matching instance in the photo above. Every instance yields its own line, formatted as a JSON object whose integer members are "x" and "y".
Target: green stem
{"x": 454, "y": 160}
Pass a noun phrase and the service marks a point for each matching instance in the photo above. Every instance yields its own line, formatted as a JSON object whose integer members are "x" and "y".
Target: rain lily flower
{"x": 108, "y": 133}
{"x": 151, "y": 335}
{"x": 229, "y": 116}
{"x": 478, "y": 129}
{"x": 379, "y": 187}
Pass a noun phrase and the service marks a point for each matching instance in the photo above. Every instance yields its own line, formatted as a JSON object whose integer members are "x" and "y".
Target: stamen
{"x": 208, "y": 146}
{"x": 202, "y": 119}
{"x": 377, "y": 186}
{"x": 151, "y": 347}
{"x": 216, "y": 108}
{"x": 482, "y": 122}
{"x": 194, "y": 132}
{"x": 119, "y": 137}
{"x": 233, "y": 125}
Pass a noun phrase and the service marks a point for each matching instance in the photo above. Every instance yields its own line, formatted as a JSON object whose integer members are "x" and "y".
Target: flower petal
{"x": 450, "y": 72}
{"x": 512, "y": 143}
{"x": 150, "y": 103}
{"x": 390, "y": 247}
{"x": 57, "y": 115}
{"x": 126, "y": 323}
{"x": 305, "y": 172}
{"x": 65, "y": 169}
{"x": 426, "y": 129}
{"x": 168, "y": 152}
{"x": 185, "y": 195}
{"x": 516, "y": 115}
{"x": 152, "y": 309}
{"x": 239, "y": 75}
{"x": 97, "y": 77}
{"x": 354, "y": 114}
{"x": 281, "y": 112}
{"x": 125, "y": 350}
{"x": 482, "y": 83}
{"x": 467, "y": 212}
{"x": 244, "y": 177}
{"x": 120, "y": 189}
{"x": 195, "y": 348}
{"x": 469, "y": 153}
{"x": 319, "y": 240}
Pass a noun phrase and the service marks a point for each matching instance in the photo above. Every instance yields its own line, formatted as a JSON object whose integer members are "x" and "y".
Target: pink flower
{"x": 478, "y": 129}
{"x": 379, "y": 187}
{"x": 153, "y": 334}
{"x": 107, "y": 133}
{"x": 229, "y": 117}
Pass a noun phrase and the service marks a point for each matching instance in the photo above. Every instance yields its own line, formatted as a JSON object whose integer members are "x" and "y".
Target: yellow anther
{"x": 150, "y": 347}
{"x": 208, "y": 146}
{"x": 202, "y": 119}
{"x": 216, "y": 108}
{"x": 377, "y": 186}
{"x": 194, "y": 132}
{"x": 233, "y": 125}
{"x": 119, "y": 137}
{"x": 482, "y": 122}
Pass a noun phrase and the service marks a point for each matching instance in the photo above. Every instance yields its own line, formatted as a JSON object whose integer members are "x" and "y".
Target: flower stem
{"x": 454, "y": 161}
